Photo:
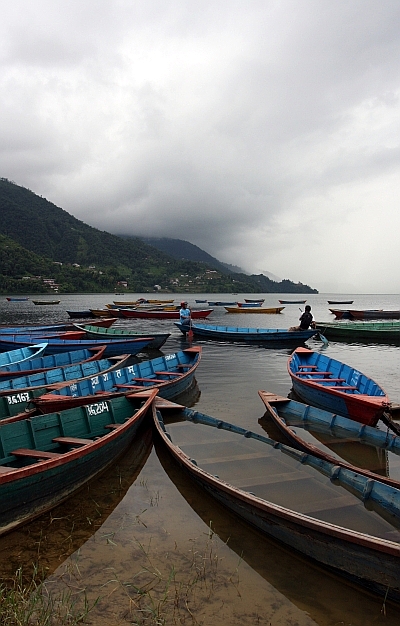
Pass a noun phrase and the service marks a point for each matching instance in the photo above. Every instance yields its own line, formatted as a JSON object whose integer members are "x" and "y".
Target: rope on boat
{"x": 388, "y": 421}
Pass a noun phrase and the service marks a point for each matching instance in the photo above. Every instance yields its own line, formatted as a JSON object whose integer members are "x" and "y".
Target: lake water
{"x": 143, "y": 525}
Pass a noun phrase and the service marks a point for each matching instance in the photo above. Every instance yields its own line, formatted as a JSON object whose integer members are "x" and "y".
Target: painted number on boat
{"x": 170, "y": 356}
{"x": 96, "y": 409}
{"x": 19, "y": 397}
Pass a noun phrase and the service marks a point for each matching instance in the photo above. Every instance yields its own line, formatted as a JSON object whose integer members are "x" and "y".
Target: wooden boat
{"x": 80, "y": 314}
{"x": 114, "y": 347}
{"x": 292, "y": 301}
{"x": 46, "y": 363}
{"x": 52, "y": 328}
{"x": 163, "y": 315}
{"x": 44, "y": 302}
{"x": 104, "y": 312}
{"x": 246, "y": 305}
{"x": 367, "y": 314}
{"x": 358, "y": 331}
{"x": 338, "y": 518}
{"x": 220, "y": 303}
{"x": 172, "y": 375}
{"x": 67, "y": 450}
{"x": 257, "y": 335}
{"x": 20, "y": 356}
{"x": 340, "y": 301}
{"x": 372, "y": 452}
{"x": 374, "y": 315}
{"x": 334, "y": 386}
{"x": 54, "y": 378}
{"x": 257, "y": 300}
{"x": 11, "y": 299}
{"x": 200, "y": 301}
{"x": 255, "y": 309}
{"x": 94, "y": 332}
{"x": 141, "y": 301}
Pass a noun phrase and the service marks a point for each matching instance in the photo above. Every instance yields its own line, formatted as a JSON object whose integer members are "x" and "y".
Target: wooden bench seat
{"x": 311, "y": 367}
{"x": 178, "y": 374}
{"x": 36, "y": 454}
{"x": 313, "y": 373}
{"x": 328, "y": 380}
{"x": 5, "y": 470}
{"x": 112, "y": 426}
{"x": 73, "y": 441}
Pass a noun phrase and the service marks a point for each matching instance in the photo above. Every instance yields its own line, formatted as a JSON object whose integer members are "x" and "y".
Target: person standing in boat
{"x": 185, "y": 314}
{"x": 306, "y": 320}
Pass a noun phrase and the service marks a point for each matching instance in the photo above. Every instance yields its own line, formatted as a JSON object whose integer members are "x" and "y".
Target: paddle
{"x": 190, "y": 333}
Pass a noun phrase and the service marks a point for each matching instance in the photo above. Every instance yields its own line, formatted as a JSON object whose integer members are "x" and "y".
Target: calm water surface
{"x": 143, "y": 519}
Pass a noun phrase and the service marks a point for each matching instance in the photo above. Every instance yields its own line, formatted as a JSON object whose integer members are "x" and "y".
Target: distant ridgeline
{"x": 42, "y": 248}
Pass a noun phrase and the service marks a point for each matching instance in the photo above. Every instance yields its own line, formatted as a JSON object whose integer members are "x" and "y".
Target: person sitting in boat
{"x": 306, "y": 320}
{"x": 185, "y": 314}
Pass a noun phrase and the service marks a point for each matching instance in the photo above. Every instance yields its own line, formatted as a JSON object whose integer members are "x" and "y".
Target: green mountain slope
{"x": 45, "y": 241}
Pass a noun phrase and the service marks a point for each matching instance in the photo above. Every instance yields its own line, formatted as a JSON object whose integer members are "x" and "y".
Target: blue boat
{"x": 114, "y": 347}
{"x": 334, "y": 386}
{"x": 20, "y": 355}
{"x": 80, "y": 314}
{"x": 220, "y": 303}
{"x": 249, "y": 335}
{"x": 55, "y": 377}
{"x": 46, "y": 363}
{"x": 336, "y": 517}
{"x": 372, "y": 452}
{"x": 172, "y": 375}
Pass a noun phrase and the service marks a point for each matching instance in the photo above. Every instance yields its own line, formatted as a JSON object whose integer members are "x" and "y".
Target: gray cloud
{"x": 264, "y": 132}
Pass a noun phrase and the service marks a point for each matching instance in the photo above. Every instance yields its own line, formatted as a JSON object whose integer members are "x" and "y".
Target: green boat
{"x": 361, "y": 331}
{"x": 44, "y": 459}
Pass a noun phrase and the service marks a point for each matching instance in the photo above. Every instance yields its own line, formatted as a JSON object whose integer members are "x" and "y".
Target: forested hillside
{"x": 42, "y": 241}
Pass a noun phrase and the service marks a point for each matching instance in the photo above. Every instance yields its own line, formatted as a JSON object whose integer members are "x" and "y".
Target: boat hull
{"x": 162, "y": 315}
{"x": 172, "y": 376}
{"x": 92, "y": 332}
{"x": 20, "y": 355}
{"x": 248, "y": 335}
{"x": 342, "y": 390}
{"x": 362, "y": 558}
{"x": 33, "y": 488}
{"x": 255, "y": 309}
{"x": 55, "y": 345}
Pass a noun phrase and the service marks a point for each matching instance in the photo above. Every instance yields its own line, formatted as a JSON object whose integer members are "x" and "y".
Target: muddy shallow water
{"x": 151, "y": 546}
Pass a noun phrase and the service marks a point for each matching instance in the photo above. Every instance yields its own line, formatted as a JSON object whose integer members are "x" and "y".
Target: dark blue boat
{"x": 249, "y": 335}
{"x": 114, "y": 347}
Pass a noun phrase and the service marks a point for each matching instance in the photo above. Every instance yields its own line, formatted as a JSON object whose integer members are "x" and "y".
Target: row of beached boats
{"x": 64, "y": 419}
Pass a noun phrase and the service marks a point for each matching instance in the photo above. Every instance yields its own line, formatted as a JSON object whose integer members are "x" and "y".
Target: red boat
{"x": 162, "y": 315}
{"x": 368, "y": 314}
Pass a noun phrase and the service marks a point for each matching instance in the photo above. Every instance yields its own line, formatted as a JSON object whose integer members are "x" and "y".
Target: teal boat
{"x": 376, "y": 332}
{"x": 95, "y": 332}
{"x": 45, "y": 459}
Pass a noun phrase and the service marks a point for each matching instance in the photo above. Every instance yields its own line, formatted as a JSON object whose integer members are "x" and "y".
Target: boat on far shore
{"x": 44, "y": 302}
{"x": 12, "y": 299}
{"x": 292, "y": 301}
{"x": 340, "y": 301}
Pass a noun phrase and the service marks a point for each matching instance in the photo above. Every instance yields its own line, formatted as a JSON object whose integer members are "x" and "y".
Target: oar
{"x": 190, "y": 334}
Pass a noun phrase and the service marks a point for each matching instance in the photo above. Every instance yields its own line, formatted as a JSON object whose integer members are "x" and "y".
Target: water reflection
{"x": 51, "y": 538}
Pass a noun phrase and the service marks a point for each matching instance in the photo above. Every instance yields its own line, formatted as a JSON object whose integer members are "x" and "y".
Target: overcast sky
{"x": 264, "y": 131}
